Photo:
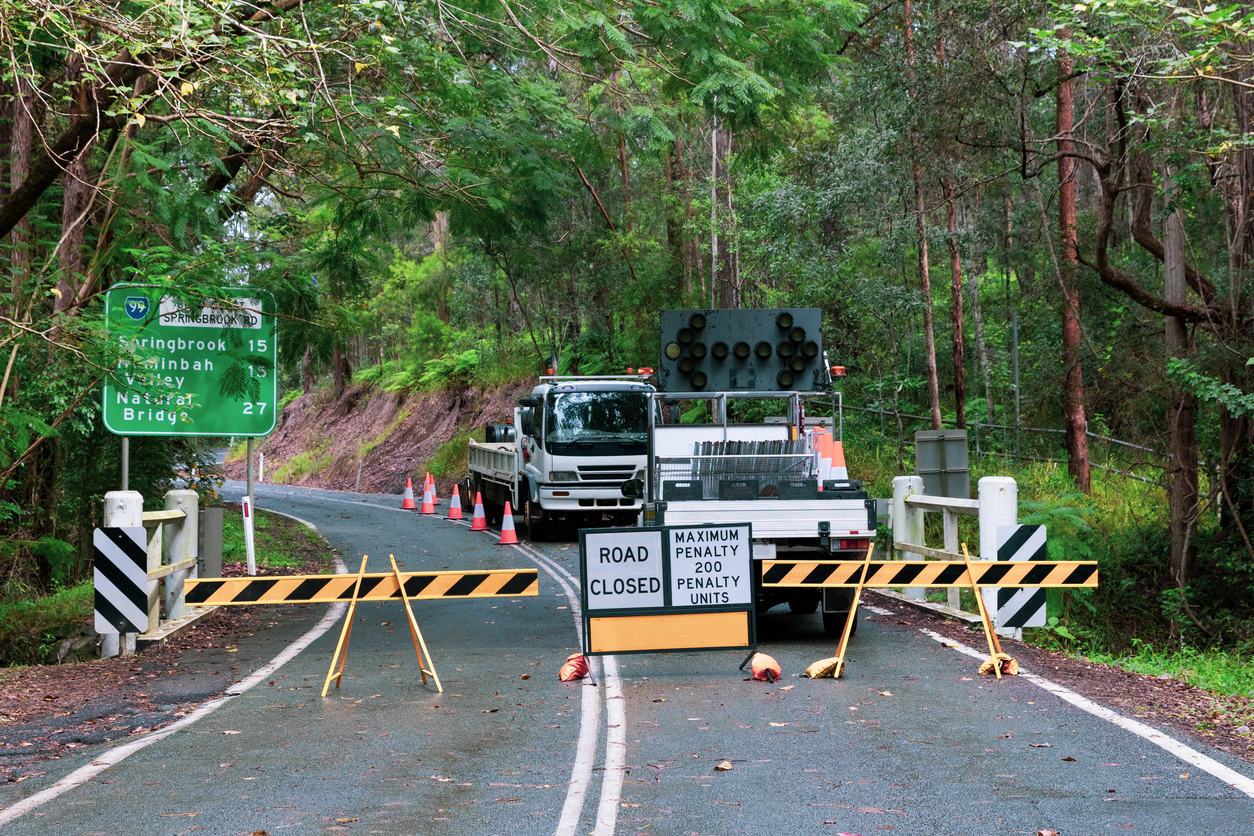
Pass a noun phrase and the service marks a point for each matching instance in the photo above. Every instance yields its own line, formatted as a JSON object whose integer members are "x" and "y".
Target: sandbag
{"x": 765, "y": 668}
{"x": 822, "y": 668}
{"x": 576, "y": 667}
{"x": 1008, "y": 664}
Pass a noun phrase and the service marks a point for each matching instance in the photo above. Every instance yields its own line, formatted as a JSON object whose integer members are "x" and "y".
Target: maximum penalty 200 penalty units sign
{"x": 205, "y": 367}
{"x": 667, "y": 588}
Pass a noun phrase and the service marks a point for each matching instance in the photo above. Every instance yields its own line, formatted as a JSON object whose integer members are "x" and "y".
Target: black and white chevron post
{"x": 1019, "y": 607}
{"x": 121, "y": 577}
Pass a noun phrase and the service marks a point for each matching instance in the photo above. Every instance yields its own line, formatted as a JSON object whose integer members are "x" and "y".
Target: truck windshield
{"x": 610, "y": 423}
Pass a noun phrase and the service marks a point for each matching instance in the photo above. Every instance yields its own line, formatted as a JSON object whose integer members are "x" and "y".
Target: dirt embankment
{"x": 392, "y": 436}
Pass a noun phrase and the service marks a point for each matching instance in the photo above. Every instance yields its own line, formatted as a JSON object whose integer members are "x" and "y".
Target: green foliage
{"x": 276, "y": 542}
{"x": 304, "y": 464}
{"x": 29, "y": 628}
{"x": 449, "y": 461}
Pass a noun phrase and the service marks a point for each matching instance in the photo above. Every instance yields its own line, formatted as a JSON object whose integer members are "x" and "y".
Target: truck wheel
{"x": 804, "y": 603}
{"x": 537, "y": 527}
{"x": 834, "y": 623}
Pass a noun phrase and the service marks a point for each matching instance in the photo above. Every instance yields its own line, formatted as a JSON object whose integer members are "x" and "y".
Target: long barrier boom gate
{"x": 386, "y": 586}
{"x": 975, "y": 575}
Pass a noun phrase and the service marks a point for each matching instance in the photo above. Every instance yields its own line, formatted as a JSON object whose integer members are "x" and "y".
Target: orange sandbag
{"x": 765, "y": 668}
{"x": 576, "y": 667}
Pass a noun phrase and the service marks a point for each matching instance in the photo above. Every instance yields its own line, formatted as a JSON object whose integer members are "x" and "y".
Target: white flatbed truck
{"x": 787, "y": 479}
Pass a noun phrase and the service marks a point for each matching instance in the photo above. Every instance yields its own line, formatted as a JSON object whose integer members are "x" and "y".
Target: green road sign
{"x": 208, "y": 370}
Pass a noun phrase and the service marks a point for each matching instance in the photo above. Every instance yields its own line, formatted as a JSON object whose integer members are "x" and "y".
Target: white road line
{"x": 118, "y": 754}
{"x": 585, "y": 749}
{"x": 615, "y": 751}
{"x": 1189, "y": 755}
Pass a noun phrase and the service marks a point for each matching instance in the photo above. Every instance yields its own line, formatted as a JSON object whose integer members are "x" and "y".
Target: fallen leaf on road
{"x": 779, "y": 724}
{"x": 172, "y": 815}
{"x": 725, "y": 766}
{"x": 225, "y": 765}
{"x": 230, "y": 732}
{"x": 886, "y": 693}
{"x": 788, "y": 687}
{"x": 1041, "y": 745}
{"x": 348, "y": 820}
{"x": 261, "y": 833}
{"x": 661, "y": 700}
{"x": 1072, "y": 760}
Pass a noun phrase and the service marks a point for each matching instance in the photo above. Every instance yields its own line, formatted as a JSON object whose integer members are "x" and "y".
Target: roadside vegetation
{"x": 31, "y": 631}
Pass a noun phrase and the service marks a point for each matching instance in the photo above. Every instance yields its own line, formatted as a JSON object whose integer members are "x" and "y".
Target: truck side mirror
{"x": 633, "y": 488}
{"x": 528, "y": 422}
{"x": 530, "y": 401}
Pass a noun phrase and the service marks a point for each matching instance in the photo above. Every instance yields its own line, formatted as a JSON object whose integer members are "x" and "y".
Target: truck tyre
{"x": 804, "y": 603}
{"x": 834, "y": 623}
{"x": 537, "y": 526}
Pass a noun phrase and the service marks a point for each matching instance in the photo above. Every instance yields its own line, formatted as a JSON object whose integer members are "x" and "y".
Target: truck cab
{"x": 578, "y": 440}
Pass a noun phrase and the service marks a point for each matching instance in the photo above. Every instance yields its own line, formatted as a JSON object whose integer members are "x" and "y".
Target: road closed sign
{"x": 624, "y": 570}
{"x": 671, "y": 588}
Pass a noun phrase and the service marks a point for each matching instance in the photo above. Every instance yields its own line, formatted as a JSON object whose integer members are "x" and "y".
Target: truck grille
{"x": 616, "y": 473}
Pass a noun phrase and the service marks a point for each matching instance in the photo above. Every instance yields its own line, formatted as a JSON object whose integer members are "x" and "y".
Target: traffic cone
{"x": 507, "y": 527}
{"x": 480, "y": 520}
{"x": 455, "y": 506}
{"x": 427, "y": 506}
{"x": 435, "y": 500}
{"x": 407, "y": 503}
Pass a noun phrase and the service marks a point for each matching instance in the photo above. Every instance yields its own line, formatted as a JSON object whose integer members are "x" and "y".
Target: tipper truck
{"x": 575, "y": 440}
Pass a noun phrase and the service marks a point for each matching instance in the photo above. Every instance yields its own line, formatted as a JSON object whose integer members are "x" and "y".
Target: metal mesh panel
{"x": 745, "y": 471}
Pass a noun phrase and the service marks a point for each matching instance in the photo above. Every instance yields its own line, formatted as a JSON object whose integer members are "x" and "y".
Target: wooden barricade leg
{"x": 420, "y": 646}
{"x": 994, "y": 646}
{"x": 853, "y": 613}
{"x": 342, "y": 645}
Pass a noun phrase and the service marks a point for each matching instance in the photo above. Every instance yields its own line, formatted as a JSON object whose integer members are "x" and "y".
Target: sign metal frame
{"x": 668, "y": 608}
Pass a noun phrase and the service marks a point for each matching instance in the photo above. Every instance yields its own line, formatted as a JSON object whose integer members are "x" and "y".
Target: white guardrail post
{"x": 999, "y": 505}
{"x": 908, "y": 522}
{"x": 122, "y": 509}
{"x": 180, "y": 545}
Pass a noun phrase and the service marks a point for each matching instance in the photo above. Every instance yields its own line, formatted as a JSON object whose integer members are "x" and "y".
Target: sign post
{"x": 668, "y": 588}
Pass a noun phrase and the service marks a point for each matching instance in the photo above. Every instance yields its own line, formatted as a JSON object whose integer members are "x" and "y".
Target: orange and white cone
{"x": 427, "y": 506}
{"x": 507, "y": 527}
{"x": 435, "y": 500}
{"x": 407, "y": 502}
{"x": 479, "y": 522}
{"x": 455, "y": 506}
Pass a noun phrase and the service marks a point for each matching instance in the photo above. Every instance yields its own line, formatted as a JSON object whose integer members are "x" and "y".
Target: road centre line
{"x": 118, "y": 754}
{"x": 1185, "y": 753}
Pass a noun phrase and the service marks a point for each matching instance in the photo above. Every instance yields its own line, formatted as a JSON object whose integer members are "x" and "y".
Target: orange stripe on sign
{"x": 676, "y": 631}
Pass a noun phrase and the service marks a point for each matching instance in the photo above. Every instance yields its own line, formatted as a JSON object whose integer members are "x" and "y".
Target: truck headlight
{"x": 563, "y": 476}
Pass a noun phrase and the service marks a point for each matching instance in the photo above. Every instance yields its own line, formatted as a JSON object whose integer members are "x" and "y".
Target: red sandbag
{"x": 765, "y": 668}
{"x": 576, "y": 667}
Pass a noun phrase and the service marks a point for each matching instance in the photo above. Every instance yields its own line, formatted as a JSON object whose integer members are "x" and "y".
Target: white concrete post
{"x": 181, "y": 539}
{"x": 122, "y": 509}
{"x": 952, "y": 593}
{"x": 908, "y": 522}
{"x": 999, "y": 505}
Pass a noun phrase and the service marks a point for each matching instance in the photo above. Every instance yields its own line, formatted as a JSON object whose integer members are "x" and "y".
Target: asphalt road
{"x": 912, "y": 740}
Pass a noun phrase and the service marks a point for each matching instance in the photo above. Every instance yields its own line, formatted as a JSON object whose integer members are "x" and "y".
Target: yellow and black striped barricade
{"x": 1068, "y": 574}
{"x": 350, "y": 589}
{"x": 858, "y": 574}
{"x": 329, "y": 589}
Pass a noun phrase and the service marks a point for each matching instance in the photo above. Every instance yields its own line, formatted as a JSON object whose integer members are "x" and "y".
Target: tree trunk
{"x": 19, "y": 167}
{"x": 955, "y": 290}
{"x": 725, "y": 282}
{"x": 1182, "y": 475}
{"x": 338, "y": 364}
{"x": 981, "y": 349}
{"x": 920, "y": 227}
{"x": 77, "y": 198}
{"x": 675, "y": 244}
{"x": 306, "y": 370}
{"x": 1073, "y": 384}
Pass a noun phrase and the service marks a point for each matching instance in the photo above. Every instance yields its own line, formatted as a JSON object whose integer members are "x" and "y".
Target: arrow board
{"x": 1019, "y": 606}
{"x": 121, "y": 576}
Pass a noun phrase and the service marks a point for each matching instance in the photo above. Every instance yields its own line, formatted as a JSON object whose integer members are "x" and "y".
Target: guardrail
{"x": 997, "y": 504}
{"x": 172, "y": 559}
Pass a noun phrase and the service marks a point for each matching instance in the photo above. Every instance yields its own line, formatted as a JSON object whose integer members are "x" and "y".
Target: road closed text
{"x": 624, "y": 570}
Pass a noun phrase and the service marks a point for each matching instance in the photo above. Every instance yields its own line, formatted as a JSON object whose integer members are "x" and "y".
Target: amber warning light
{"x": 838, "y": 371}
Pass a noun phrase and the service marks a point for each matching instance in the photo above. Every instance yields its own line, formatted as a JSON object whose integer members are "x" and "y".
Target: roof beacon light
{"x": 838, "y": 371}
